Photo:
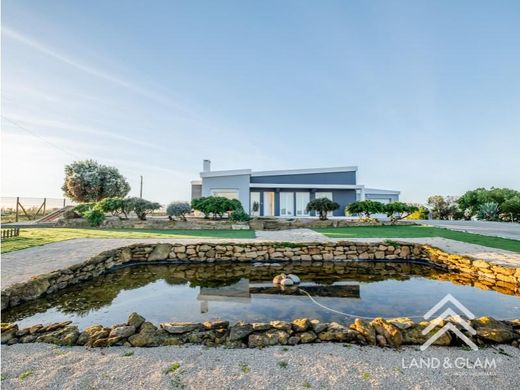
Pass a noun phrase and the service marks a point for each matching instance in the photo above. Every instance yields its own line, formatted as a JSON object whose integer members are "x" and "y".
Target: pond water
{"x": 235, "y": 292}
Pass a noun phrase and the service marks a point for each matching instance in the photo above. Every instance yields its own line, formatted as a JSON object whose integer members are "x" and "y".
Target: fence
{"x": 17, "y": 209}
{"x": 12, "y": 232}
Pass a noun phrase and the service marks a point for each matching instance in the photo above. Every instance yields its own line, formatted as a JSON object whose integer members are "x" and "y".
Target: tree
{"x": 115, "y": 206}
{"x": 399, "y": 210}
{"x": 443, "y": 207}
{"x": 141, "y": 207}
{"x": 88, "y": 181}
{"x": 216, "y": 206}
{"x": 365, "y": 207}
{"x": 471, "y": 202}
{"x": 511, "y": 209}
{"x": 178, "y": 209}
{"x": 322, "y": 206}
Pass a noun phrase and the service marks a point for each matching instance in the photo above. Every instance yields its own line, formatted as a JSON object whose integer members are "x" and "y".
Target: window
{"x": 286, "y": 204}
{"x": 226, "y": 193}
{"x": 302, "y": 199}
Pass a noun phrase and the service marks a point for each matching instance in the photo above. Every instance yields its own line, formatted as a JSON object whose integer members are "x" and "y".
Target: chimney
{"x": 206, "y": 166}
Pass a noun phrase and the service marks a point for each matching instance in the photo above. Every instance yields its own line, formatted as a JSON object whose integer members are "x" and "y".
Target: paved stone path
{"x": 20, "y": 265}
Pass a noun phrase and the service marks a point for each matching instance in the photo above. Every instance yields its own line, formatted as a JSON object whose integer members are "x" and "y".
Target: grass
{"x": 244, "y": 367}
{"x": 173, "y": 367}
{"x": 25, "y": 374}
{"x": 412, "y": 231}
{"x": 34, "y": 237}
{"x": 282, "y": 364}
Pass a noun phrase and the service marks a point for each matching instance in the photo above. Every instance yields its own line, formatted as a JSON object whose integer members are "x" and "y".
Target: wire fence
{"x": 19, "y": 209}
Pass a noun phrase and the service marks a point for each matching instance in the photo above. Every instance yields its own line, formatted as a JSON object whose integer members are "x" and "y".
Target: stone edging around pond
{"x": 488, "y": 275}
{"x": 137, "y": 332}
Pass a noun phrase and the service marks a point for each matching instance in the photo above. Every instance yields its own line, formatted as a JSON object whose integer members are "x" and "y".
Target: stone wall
{"x": 488, "y": 275}
{"x": 137, "y": 332}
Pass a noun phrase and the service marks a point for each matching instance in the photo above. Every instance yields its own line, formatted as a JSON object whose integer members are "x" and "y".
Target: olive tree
{"x": 141, "y": 207}
{"x": 399, "y": 210}
{"x": 216, "y": 206}
{"x": 178, "y": 209}
{"x": 365, "y": 207}
{"x": 322, "y": 206}
{"x": 88, "y": 181}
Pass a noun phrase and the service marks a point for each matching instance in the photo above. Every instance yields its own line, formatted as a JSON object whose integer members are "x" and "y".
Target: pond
{"x": 163, "y": 293}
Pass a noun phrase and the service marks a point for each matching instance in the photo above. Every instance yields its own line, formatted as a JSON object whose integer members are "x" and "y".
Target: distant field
{"x": 419, "y": 231}
{"x": 35, "y": 237}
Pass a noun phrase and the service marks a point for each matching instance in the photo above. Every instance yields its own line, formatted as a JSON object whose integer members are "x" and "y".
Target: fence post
{"x": 17, "y": 203}
{"x": 63, "y": 202}
{"x": 44, "y": 205}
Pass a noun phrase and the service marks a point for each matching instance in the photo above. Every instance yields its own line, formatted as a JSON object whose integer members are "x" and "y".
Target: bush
{"x": 88, "y": 181}
{"x": 365, "y": 207}
{"x": 239, "y": 216}
{"x": 399, "y": 210}
{"x": 114, "y": 206}
{"x": 322, "y": 206}
{"x": 94, "y": 216}
{"x": 511, "y": 209}
{"x": 216, "y": 206}
{"x": 141, "y": 207}
{"x": 178, "y": 209}
{"x": 444, "y": 207}
{"x": 82, "y": 208}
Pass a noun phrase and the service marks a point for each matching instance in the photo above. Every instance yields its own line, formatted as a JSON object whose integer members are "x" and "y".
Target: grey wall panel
{"x": 236, "y": 182}
{"x": 310, "y": 178}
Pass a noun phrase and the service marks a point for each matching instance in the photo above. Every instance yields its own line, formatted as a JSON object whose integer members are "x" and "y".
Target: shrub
{"x": 399, "y": 210}
{"x": 443, "y": 207}
{"x": 322, "y": 206}
{"x": 471, "y": 202}
{"x": 216, "y": 206}
{"x": 114, "y": 206}
{"x": 83, "y": 207}
{"x": 94, "y": 216}
{"x": 365, "y": 207}
{"x": 489, "y": 211}
{"x": 88, "y": 181}
{"x": 178, "y": 209}
{"x": 511, "y": 209}
{"x": 141, "y": 207}
{"x": 239, "y": 216}
{"x": 421, "y": 213}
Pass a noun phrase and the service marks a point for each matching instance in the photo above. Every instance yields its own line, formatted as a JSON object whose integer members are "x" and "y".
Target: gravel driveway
{"x": 325, "y": 366}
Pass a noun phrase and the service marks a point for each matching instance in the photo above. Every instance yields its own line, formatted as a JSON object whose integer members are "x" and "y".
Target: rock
{"x": 239, "y": 331}
{"x": 278, "y": 279}
{"x": 135, "y": 320}
{"x": 287, "y": 282}
{"x": 281, "y": 325}
{"x": 65, "y": 336}
{"x": 8, "y": 332}
{"x": 122, "y": 332}
{"x": 180, "y": 327}
{"x": 271, "y": 337}
{"x": 402, "y": 322}
{"x": 55, "y": 326}
{"x": 301, "y": 324}
{"x": 307, "y": 337}
{"x": 318, "y": 326}
{"x": 365, "y": 329}
{"x": 260, "y": 326}
{"x": 391, "y": 333}
{"x": 160, "y": 252}
{"x": 32, "y": 289}
{"x": 381, "y": 341}
{"x": 337, "y": 332}
{"x": 215, "y": 324}
{"x": 148, "y": 336}
{"x": 293, "y": 340}
{"x": 294, "y": 278}
{"x": 492, "y": 330}
{"x": 414, "y": 336}
{"x": 91, "y": 334}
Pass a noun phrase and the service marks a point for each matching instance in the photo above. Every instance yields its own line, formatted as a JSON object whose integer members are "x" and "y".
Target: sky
{"x": 422, "y": 96}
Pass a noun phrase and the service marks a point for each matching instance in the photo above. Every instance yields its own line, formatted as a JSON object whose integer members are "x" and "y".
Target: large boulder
{"x": 64, "y": 336}
{"x": 365, "y": 329}
{"x": 271, "y": 337}
{"x": 160, "y": 252}
{"x": 148, "y": 336}
{"x": 239, "y": 331}
{"x": 92, "y": 334}
{"x": 215, "y": 324}
{"x": 122, "y": 331}
{"x": 135, "y": 320}
{"x": 414, "y": 336}
{"x": 493, "y": 330}
{"x": 338, "y": 332}
{"x": 8, "y": 332}
{"x": 301, "y": 324}
{"x": 390, "y": 332}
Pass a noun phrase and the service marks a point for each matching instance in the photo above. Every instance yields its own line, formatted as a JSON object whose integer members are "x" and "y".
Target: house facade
{"x": 286, "y": 193}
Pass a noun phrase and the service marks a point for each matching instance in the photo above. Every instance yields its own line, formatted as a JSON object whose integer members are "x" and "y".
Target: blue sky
{"x": 423, "y": 96}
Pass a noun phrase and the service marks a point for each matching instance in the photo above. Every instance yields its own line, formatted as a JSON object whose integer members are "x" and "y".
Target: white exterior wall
{"x": 239, "y": 183}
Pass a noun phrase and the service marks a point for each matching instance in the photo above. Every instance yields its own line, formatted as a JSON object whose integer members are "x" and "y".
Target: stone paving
{"x": 20, "y": 265}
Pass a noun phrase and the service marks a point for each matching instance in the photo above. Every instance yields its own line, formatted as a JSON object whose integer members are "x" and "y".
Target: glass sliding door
{"x": 286, "y": 204}
{"x": 268, "y": 204}
{"x": 254, "y": 204}
{"x": 302, "y": 199}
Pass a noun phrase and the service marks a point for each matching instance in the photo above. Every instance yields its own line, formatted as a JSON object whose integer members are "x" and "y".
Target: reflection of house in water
{"x": 241, "y": 292}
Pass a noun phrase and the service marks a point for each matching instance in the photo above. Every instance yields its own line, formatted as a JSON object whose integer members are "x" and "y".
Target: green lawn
{"x": 419, "y": 231}
{"x": 34, "y": 237}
